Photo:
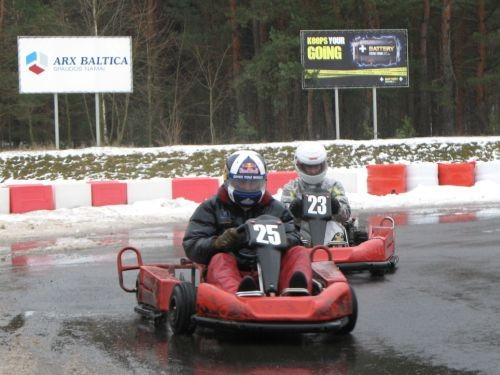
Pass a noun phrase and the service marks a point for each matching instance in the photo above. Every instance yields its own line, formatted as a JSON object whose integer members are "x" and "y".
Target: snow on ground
{"x": 79, "y": 221}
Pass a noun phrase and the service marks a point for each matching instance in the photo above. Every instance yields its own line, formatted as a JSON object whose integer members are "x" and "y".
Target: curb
{"x": 375, "y": 179}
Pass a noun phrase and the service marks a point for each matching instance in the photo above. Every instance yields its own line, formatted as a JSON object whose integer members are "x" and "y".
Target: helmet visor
{"x": 312, "y": 169}
{"x": 247, "y": 185}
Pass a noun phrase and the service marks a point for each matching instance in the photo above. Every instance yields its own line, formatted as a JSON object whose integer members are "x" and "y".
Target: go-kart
{"x": 351, "y": 249}
{"x": 161, "y": 296}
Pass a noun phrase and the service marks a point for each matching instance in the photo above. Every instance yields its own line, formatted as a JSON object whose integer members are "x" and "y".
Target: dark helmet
{"x": 245, "y": 176}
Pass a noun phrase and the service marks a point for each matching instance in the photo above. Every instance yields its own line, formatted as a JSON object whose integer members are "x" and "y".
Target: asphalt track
{"x": 63, "y": 312}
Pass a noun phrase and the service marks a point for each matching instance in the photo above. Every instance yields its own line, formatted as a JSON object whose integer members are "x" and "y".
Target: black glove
{"x": 228, "y": 239}
{"x": 296, "y": 208}
{"x": 335, "y": 206}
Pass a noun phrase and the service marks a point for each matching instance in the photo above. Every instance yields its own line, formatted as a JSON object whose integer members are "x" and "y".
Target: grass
{"x": 210, "y": 161}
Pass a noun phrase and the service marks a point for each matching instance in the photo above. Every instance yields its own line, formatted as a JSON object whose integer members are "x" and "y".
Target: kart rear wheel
{"x": 182, "y": 308}
{"x": 351, "y": 319}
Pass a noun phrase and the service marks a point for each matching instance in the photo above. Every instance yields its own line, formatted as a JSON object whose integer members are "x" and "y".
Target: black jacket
{"x": 219, "y": 213}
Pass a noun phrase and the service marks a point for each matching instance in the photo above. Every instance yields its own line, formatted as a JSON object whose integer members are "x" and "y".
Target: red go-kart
{"x": 352, "y": 250}
{"x": 161, "y": 296}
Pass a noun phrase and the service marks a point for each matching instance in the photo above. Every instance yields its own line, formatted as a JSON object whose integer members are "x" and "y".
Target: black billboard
{"x": 354, "y": 58}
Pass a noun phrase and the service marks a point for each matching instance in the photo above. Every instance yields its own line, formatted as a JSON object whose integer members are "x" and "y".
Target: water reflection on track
{"x": 62, "y": 309}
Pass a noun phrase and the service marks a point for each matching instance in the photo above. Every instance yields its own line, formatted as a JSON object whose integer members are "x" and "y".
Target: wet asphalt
{"x": 439, "y": 313}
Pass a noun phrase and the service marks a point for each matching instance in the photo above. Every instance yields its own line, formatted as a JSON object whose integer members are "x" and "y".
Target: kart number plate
{"x": 267, "y": 234}
{"x": 317, "y": 206}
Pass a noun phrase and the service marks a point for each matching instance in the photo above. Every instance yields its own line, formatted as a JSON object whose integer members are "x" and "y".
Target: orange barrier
{"x": 459, "y": 174}
{"x": 386, "y": 179}
{"x": 25, "y": 198}
{"x": 277, "y": 179}
{"x": 195, "y": 189}
{"x": 105, "y": 193}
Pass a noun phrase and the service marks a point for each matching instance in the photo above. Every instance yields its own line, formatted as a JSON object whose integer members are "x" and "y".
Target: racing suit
{"x": 295, "y": 188}
{"x": 214, "y": 216}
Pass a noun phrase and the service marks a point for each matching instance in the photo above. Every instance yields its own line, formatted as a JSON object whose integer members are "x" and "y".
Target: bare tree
{"x": 2, "y": 14}
{"x": 447, "y": 99}
{"x": 100, "y": 17}
{"x": 212, "y": 77}
{"x": 424, "y": 114}
{"x": 481, "y": 66}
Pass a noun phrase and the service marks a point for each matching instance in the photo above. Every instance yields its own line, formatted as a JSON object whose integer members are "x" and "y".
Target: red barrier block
{"x": 195, "y": 189}
{"x": 106, "y": 193}
{"x": 278, "y": 179}
{"x": 400, "y": 218}
{"x": 459, "y": 174}
{"x": 458, "y": 218}
{"x": 25, "y": 198}
{"x": 386, "y": 179}
{"x": 31, "y": 245}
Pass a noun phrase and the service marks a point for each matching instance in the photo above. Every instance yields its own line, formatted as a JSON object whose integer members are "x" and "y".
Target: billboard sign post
{"x": 75, "y": 65}
{"x": 354, "y": 59}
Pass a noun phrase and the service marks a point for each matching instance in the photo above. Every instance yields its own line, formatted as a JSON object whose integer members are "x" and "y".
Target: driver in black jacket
{"x": 211, "y": 237}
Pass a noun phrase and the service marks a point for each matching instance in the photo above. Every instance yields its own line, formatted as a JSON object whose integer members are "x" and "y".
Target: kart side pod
{"x": 155, "y": 283}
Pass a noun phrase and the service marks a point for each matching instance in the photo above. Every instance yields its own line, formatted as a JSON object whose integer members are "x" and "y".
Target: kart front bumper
{"x": 387, "y": 265}
{"x": 272, "y": 327}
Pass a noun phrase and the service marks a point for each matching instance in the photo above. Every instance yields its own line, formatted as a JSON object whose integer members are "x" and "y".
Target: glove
{"x": 335, "y": 206}
{"x": 296, "y": 208}
{"x": 228, "y": 239}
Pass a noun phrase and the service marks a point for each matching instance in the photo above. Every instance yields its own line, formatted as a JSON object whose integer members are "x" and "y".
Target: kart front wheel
{"x": 351, "y": 319}
{"x": 182, "y": 308}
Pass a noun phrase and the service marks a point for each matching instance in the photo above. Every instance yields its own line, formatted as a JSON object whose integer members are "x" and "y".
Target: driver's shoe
{"x": 298, "y": 280}
{"x": 297, "y": 285}
{"x": 247, "y": 284}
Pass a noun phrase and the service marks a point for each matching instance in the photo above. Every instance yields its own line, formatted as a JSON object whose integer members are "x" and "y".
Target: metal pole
{"x": 97, "y": 121}
{"x": 374, "y": 90}
{"x": 337, "y": 116}
{"x": 56, "y": 119}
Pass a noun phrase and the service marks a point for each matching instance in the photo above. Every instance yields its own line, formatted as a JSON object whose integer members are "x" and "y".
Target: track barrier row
{"x": 375, "y": 179}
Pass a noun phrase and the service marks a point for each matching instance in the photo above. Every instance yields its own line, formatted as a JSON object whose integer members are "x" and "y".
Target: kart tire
{"x": 137, "y": 289}
{"x": 182, "y": 308}
{"x": 351, "y": 319}
{"x": 378, "y": 273}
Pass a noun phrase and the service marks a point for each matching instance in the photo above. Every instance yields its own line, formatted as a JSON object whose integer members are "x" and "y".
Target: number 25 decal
{"x": 317, "y": 204}
{"x": 267, "y": 234}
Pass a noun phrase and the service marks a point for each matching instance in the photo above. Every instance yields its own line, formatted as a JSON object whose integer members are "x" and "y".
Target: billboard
{"x": 354, "y": 58}
{"x": 74, "y": 64}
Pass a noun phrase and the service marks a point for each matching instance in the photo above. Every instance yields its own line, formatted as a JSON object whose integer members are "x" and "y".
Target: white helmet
{"x": 310, "y": 162}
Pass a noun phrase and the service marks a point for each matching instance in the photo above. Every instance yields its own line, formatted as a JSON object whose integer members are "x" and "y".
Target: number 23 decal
{"x": 317, "y": 204}
{"x": 267, "y": 234}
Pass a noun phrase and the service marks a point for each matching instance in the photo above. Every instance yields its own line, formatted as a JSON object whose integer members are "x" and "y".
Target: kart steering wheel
{"x": 251, "y": 255}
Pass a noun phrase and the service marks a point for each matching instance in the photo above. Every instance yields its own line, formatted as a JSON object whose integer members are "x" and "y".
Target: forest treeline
{"x": 220, "y": 71}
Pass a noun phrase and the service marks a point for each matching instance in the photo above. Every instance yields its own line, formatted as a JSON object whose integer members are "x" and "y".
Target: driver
{"x": 311, "y": 165}
{"x": 211, "y": 236}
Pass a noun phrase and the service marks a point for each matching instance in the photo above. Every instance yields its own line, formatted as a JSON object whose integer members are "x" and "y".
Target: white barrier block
{"x": 425, "y": 174}
{"x": 72, "y": 194}
{"x": 144, "y": 190}
{"x": 347, "y": 177}
{"x": 488, "y": 171}
{"x": 362, "y": 179}
{"x": 4, "y": 200}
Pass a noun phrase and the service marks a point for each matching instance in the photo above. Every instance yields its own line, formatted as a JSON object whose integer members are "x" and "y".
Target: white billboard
{"x": 74, "y": 64}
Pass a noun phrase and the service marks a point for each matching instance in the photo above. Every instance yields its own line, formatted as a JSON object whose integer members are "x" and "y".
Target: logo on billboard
{"x": 36, "y": 62}
{"x": 376, "y": 51}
